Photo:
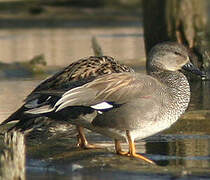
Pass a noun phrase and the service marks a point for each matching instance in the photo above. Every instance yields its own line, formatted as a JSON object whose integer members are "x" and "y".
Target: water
{"x": 180, "y": 152}
{"x": 61, "y": 46}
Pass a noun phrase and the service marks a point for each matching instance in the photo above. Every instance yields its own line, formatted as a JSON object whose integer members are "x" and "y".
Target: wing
{"x": 75, "y": 75}
{"x": 108, "y": 91}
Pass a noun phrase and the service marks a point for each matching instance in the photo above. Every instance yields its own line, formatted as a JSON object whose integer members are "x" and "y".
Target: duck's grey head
{"x": 170, "y": 56}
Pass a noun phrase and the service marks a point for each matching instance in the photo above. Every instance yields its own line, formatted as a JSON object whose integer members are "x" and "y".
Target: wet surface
{"x": 178, "y": 153}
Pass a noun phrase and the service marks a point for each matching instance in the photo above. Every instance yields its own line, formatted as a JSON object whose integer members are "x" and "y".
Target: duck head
{"x": 170, "y": 56}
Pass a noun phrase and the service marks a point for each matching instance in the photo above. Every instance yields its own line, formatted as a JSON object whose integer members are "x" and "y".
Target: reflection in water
{"x": 181, "y": 150}
{"x": 200, "y": 96}
{"x": 205, "y": 88}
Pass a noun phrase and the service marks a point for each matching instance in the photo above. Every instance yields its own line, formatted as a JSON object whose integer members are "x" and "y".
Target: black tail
{"x": 24, "y": 124}
{"x": 15, "y": 116}
{"x": 26, "y": 121}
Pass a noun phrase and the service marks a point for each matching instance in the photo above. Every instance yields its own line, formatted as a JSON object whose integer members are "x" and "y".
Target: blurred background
{"x": 61, "y": 30}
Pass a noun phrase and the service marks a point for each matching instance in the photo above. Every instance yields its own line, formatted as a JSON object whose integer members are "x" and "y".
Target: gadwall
{"x": 74, "y": 75}
{"x": 123, "y": 105}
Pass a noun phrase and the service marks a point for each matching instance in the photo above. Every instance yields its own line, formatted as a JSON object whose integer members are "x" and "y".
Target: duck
{"x": 113, "y": 100}
{"x": 74, "y": 75}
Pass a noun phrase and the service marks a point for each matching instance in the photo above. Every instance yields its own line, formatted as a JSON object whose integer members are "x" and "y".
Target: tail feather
{"x": 25, "y": 121}
{"x": 15, "y": 116}
{"x": 23, "y": 124}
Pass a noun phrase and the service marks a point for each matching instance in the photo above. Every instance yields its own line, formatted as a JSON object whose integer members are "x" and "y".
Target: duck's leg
{"x": 132, "y": 149}
{"x": 119, "y": 149}
{"x": 82, "y": 141}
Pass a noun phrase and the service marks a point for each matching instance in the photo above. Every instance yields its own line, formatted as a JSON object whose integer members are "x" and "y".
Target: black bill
{"x": 191, "y": 68}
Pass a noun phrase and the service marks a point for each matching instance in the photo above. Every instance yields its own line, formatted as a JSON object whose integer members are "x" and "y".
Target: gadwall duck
{"x": 123, "y": 105}
{"x": 74, "y": 75}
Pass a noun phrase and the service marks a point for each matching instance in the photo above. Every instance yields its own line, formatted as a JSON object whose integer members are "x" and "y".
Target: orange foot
{"x": 139, "y": 156}
{"x": 135, "y": 155}
{"x": 82, "y": 141}
{"x": 132, "y": 149}
{"x": 88, "y": 146}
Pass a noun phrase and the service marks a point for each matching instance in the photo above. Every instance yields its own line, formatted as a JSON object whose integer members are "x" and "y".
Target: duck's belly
{"x": 85, "y": 121}
{"x": 140, "y": 133}
{"x": 136, "y": 134}
{"x": 147, "y": 131}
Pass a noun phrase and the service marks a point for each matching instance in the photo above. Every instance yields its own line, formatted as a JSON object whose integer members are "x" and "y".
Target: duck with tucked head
{"x": 120, "y": 104}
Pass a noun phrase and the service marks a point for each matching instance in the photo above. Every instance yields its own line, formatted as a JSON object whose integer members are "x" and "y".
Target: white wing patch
{"x": 102, "y": 106}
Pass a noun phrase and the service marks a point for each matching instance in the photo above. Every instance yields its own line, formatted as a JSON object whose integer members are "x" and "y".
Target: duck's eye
{"x": 177, "y": 53}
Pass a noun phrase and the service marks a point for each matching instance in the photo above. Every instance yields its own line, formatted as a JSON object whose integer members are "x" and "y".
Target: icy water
{"x": 181, "y": 152}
